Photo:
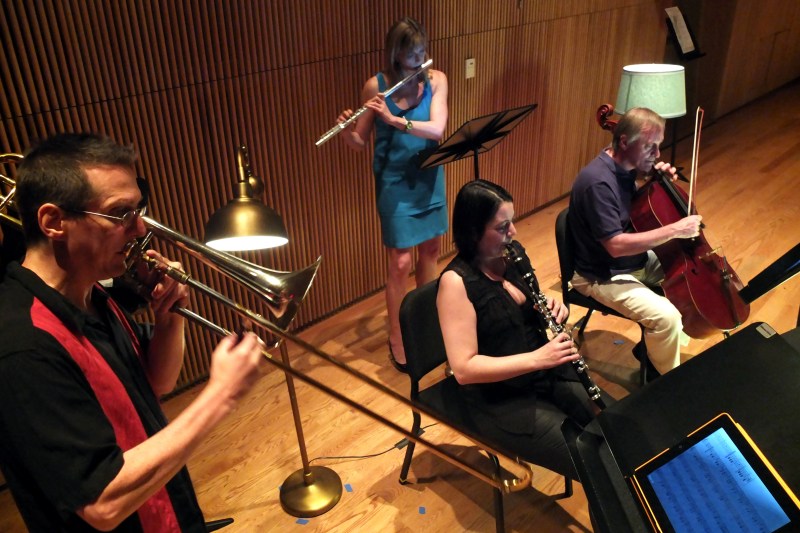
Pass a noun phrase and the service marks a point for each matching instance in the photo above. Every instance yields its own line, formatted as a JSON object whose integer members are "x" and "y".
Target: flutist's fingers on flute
{"x": 377, "y": 104}
{"x": 353, "y": 128}
{"x": 344, "y": 116}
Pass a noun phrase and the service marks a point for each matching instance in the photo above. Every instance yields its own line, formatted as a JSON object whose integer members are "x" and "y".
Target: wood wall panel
{"x": 764, "y": 51}
{"x": 188, "y": 81}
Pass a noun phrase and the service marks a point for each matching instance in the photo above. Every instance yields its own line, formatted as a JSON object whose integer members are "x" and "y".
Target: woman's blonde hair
{"x": 404, "y": 35}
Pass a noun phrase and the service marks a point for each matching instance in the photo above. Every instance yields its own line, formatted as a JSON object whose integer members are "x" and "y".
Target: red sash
{"x": 156, "y": 514}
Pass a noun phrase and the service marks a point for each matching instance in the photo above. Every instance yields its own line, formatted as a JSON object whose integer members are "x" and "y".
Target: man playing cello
{"x": 613, "y": 264}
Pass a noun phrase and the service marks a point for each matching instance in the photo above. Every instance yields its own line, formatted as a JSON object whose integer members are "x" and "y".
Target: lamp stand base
{"x": 307, "y": 495}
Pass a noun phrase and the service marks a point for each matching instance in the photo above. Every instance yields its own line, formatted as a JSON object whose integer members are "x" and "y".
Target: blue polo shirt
{"x": 599, "y": 208}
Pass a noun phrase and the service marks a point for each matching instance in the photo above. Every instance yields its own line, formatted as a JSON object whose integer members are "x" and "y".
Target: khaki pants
{"x": 630, "y": 296}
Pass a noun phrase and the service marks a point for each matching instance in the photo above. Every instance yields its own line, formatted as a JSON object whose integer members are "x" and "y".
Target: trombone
{"x": 340, "y": 127}
{"x": 230, "y": 267}
{"x": 283, "y": 293}
{"x": 5, "y": 200}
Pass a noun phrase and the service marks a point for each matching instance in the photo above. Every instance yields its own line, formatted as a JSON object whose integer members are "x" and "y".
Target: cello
{"x": 698, "y": 281}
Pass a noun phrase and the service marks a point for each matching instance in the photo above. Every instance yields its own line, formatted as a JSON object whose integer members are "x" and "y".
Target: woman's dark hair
{"x": 404, "y": 35}
{"x": 53, "y": 171}
{"x": 476, "y": 204}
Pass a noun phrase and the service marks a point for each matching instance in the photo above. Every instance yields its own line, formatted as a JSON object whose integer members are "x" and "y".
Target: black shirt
{"x": 58, "y": 450}
{"x": 505, "y": 328}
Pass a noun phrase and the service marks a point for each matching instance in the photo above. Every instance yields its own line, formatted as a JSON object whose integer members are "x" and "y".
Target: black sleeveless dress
{"x": 523, "y": 414}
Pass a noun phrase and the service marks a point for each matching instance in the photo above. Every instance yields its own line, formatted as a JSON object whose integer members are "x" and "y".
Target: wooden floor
{"x": 749, "y": 197}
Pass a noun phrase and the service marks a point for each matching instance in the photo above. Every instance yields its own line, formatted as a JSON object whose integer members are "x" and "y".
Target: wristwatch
{"x": 409, "y": 125}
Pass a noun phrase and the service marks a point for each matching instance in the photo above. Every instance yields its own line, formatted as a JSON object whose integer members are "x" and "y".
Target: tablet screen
{"x": 715, "y": 480}
{"x": 712, "y": 487}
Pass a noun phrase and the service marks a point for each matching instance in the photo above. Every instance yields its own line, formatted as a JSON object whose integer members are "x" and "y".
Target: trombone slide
{"x": 511, "y": 483}
{"x": 283, "y": 293}
{"x": 337, "y": 129}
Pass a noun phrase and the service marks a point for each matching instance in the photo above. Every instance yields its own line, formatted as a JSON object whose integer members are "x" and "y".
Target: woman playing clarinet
{"x": 516, "y": 384}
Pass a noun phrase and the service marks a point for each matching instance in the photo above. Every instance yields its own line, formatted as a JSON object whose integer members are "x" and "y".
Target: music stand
{"x": 779, "y": 271}
{"x": 476, "y": 136}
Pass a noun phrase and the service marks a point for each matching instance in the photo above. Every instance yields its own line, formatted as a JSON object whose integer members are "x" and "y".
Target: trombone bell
{"x": 282, "y": 291}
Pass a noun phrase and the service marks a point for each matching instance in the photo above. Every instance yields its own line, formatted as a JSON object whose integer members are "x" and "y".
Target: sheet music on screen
{"x": 712, "y": 487}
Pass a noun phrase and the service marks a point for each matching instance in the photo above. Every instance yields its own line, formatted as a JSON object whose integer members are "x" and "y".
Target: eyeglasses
{"x": 126, "y": 221}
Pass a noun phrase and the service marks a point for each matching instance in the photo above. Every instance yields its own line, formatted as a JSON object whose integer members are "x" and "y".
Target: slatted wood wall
{"x": 765, "y": 38}
{"x": 186, "y": 81}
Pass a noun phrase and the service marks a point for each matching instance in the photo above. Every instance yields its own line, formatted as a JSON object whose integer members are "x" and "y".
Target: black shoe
{"x": 639, "y": 351}
{"x": 400, "y": 367}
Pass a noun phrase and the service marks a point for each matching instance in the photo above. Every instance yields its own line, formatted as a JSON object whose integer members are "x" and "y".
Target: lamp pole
{"x": 246, "y": 223}
{"x": 312, "y": 490}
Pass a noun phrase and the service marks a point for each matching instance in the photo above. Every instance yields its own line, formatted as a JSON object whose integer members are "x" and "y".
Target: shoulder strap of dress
{"x": 461, "y": 267}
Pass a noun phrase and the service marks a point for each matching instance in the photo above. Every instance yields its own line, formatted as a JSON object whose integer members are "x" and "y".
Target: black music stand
{"x": 476, "y": 136}
{"x": 779, "y": 271}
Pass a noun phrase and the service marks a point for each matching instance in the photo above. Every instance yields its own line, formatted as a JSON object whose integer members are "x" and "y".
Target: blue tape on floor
{"x": 619, "y": 342}
{"x": 348, "y": 488}
{"x": 302, "y": 521}
{"x": 421, "y": 510}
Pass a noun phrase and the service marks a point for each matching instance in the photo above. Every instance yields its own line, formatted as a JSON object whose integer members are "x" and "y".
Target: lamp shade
{"x": 660, "y": 88}
{"x": 245, "y": 224}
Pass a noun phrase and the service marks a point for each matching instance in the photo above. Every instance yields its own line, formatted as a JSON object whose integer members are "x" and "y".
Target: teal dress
{"x": 411, "y": 202}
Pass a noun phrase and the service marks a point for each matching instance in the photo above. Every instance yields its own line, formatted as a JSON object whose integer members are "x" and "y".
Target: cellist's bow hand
{"x": 687, "y": 227}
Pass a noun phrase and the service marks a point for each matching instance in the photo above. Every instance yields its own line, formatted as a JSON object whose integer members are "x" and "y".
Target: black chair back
{"x": 422, "y": 337}
{"x": 566, "y": 262}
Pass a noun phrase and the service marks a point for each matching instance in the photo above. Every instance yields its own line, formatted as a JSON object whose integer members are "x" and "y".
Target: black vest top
{"x": 503, "y": 328}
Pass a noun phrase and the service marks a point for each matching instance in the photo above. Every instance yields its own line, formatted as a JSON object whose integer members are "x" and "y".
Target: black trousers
{"x": 557, "y": 399}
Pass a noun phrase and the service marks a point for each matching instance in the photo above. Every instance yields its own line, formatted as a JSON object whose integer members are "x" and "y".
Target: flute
{"x": 338, "y": 128}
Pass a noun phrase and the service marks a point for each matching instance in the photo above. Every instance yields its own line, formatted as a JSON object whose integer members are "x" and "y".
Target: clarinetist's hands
{"x": 558, "y": 351}
{"x": 559, "y": 311}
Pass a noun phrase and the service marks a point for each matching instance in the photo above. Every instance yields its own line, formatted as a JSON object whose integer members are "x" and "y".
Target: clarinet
{"x": 525, "y": 270}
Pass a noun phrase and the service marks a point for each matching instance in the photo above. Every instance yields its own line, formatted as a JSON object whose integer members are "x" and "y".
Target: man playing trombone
{"x": 85, "y": 445}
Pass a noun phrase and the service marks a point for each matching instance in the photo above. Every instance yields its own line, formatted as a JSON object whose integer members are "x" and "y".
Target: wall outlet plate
{"x": 469, "y": 68}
